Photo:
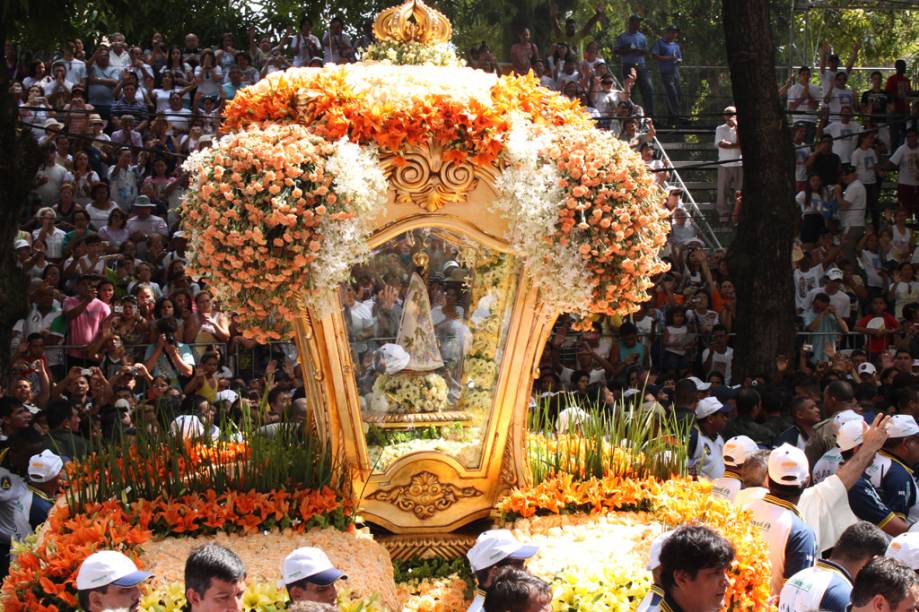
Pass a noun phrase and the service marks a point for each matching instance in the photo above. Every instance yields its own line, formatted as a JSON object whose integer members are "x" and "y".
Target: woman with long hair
{"x": 812, "y": 202}
{"x": 84, "y": 177}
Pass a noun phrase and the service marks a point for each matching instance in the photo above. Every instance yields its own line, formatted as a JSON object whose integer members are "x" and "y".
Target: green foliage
{"x": 426, "y": 569}
{"x": 151, "y": 465}
{"x": 624, "y": 440}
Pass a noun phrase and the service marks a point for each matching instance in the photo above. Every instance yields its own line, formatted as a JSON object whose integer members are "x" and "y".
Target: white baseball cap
{"x": 188, "y": 426}
{"x": 700, "y": 385}
{"x": 708, "y": 406}
{"x": 788, "y": 466}
{"x": 843, "y": 417}
{"x": 905, "y": 549}
{"x": 737, "y": 450}
{"x": 45, "y": 466}
{"x": 851, "y": 434}
{"x": 834, "y": 274}
{"x": 496, "y": 545}
{"x": 867, "y": 368}
{"x": 902, "y": 426}
{"x": 657, "y": 544}
{"x": 108, "y": 567}
{"x": 309, "y": 563}
{"x": 227, "y": 395}
{"x": 571, "y": 418}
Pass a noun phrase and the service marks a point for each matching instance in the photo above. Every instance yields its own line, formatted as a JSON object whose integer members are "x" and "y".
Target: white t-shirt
{"x": 839, "y": 98}
{"x": 55, "y": 176}
{"x": 802, "y": 152}
{"x": 865, "y": 162}
{"x": 840, "y": 301}
{"x": 907, "y": 160}
{"x": 805, "y": 282}
{"x": 854, "y": 216}
{"x": 98, "y": 217}
{"x": 816, "y": 205}
{"x": 76, "y": 70}
{"x": 725, "y": 132}
{"x": 796, "y": 93}
{"x": 827, "y": 465}
{"x": 721, "y": 362}
{"x": 844, "y": 138}
{"x": 178, "y": 119}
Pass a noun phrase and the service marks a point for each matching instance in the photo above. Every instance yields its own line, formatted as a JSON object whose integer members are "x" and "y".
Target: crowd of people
{"x": 116, "y": 328}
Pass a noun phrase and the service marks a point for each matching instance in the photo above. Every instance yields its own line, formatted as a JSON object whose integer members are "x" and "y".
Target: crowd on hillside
{"x": 116, "y": 329}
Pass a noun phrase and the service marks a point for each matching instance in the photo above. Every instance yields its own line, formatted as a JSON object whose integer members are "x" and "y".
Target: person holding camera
{"x": 336, "y": 45}
{"x": 168, "y": 358}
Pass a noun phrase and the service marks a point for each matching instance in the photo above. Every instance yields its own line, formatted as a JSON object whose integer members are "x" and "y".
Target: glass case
{"x": 427, "y": 321}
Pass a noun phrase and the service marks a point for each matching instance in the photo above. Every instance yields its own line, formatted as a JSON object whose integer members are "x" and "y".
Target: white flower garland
{"x": 529, "y": 191}
{"x": 361, "y": 188}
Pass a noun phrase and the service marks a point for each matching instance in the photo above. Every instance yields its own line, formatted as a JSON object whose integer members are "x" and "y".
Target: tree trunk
{"x": 18, "y": 165}
{"x": 760, "y": 256}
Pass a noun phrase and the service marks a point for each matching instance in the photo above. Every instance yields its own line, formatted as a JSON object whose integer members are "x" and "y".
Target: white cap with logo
{"x": 867, "y": 368}
{"x": 843, "y": 417}
{"x": 496, "y": 545}
{"x": 905, "y": 549}
{"x": 108, "y": 567}
{"x": 788, "y": 466}
{"x": 902, "y": 426}
{"x": 708, "y": 406}
{"x": 737, "y": 450}
{"x": 311, "y": 564}
{"x": 851, "y": 434}
{"x": 45, "y": 466}
{"x": 700, "y": 385}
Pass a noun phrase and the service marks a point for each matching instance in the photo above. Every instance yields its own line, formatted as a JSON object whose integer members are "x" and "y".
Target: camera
{"x": 171, "y": 339}
{"x": 86, "y": 372}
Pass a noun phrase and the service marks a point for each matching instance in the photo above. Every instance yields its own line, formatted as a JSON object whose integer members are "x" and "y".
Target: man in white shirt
{"x": 336, "y": 45}
{"x": 76, "y": 68}
{"x": 493, "y": 549}
{"x": 144, "y": 222}
{"x": 118, "y": 56}
{"x": 906, "y": 161}
{"x": 853, "y": 203}
{"x": 804, "y": 98}
{"x": 706, "y": 446}
{"x": 845, "y": 134}
{"x": 832, "y": 286}
{"x": 730, "y": 168}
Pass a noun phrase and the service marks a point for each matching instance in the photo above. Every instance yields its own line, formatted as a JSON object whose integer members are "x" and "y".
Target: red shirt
{"x": 898, "y": 88}
{"x": 878, "y": 344}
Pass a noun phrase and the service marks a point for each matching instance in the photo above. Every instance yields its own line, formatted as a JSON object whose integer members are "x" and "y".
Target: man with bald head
{"x": 837, "y": 396}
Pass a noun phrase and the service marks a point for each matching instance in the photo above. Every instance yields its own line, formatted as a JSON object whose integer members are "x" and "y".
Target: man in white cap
{"x": 792, "y": 544}
{"x": 730, "y": 167}
{"x": 44, "y": 482}
{"x": 829, "y": 463}
{"x": 828, "y": 585}
{"x": 705, "y": 441}
{"x": 493, "y": 549}
{"x": 654, "y": 597}
{"x": 108, "y": 580}
{"x": 864, "y": 499}
{"x": 735, "y": 454}
{"x": 897, "y": 485}
{"x": 308, "y": 575}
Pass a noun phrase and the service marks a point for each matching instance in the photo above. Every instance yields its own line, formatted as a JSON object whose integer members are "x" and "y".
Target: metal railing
{"x": 698, "y": 218}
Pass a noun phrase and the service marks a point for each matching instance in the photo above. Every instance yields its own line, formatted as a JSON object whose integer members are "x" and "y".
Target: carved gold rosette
{"x": 424, "y": 496}
{"x": 423, "y": 177}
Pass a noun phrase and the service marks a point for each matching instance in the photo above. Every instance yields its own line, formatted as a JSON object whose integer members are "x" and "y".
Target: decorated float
{"x": 417, "y": 227}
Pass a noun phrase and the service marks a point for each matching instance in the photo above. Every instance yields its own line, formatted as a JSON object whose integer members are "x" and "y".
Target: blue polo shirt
{"x": 668, "y": 49}
{"x": 867, "y": 505}
{"x": 898, "y": 488}
{"x": 633, "y": 41}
